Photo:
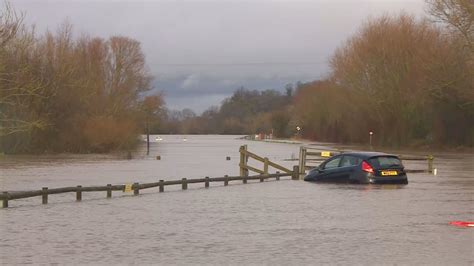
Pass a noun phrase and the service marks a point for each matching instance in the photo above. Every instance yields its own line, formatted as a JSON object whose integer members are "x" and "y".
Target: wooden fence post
{"x": 109, "y": 191}
{"x": 243, "y": 161}
{"x": 184, "y": 185}
{"x": 44, "y": 196}
{"x": 226, "y": 181}
{"x": 5, "y": 199}
{"x": 296, "y": 173}
{"x": 430, "y": 164}
{"x": 162, "y": 187}
{"x": 301, "y": 158}
{"x": 136, "y": 191}
{"x": 303, "y": 166}
{"x": 78, "y": 193}
{"x": 246, "y": 162}
{"x": 265, "y": 168}
{"x": 206, "y": 182}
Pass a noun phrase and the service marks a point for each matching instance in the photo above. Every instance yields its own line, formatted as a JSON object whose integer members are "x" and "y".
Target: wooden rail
{"x": 264, "y": 174}
{"x": 7, "y": 196}
{"x": 314, "y": 155}
{"x": 244, "y": 176}
{"x": 244, "y": 167}
{"x": 317, "y": 155}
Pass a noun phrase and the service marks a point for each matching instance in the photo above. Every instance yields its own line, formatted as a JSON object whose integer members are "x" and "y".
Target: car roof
{"x": 367, "y": 154}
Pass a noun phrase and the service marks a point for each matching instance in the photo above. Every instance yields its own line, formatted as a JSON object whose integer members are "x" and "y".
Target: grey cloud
{"x": 194, "y": 85}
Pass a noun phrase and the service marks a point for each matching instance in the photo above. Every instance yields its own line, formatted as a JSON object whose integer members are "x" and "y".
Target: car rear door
{"x": 348, "y": 165}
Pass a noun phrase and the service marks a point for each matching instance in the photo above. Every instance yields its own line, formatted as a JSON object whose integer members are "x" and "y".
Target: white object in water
{"x": 158, "y": 139}
{"x": 185, "y": 139}
{"x": 435, "y": 171}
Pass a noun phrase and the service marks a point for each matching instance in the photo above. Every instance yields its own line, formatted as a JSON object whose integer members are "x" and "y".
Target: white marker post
{"x": 370, "y": 138}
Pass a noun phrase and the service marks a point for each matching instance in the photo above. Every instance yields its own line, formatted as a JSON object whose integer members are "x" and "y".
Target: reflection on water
{"x": 277, "y": 222}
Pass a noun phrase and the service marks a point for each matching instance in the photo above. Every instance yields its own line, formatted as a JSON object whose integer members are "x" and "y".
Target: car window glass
{"x": 385, "y": 161}
{"x": 349, "y": 161}
{"x": 333, "y": 163}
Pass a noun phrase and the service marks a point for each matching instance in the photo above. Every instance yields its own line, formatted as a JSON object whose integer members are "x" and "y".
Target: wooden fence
{"x": 245, "y": 167}
{"x": 310, "y": 157}
{"x": 7, "y": 196}
{"x": 263, "y": 175}
{"x": 307, "y": 154}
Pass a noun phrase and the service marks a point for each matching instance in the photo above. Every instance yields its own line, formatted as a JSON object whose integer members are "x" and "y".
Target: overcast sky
{"x": 201, "y": 51}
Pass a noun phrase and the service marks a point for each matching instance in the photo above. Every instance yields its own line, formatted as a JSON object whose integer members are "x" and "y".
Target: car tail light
{"x": 366, "y": 167}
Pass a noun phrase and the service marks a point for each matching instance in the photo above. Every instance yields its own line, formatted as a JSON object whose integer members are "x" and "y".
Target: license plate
{"x": 385, "y": 173}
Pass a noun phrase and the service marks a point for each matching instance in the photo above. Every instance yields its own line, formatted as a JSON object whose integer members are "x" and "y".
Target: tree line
{"x": 408, "y": 80}
{"x": 64, "y": 94}
{"x": 245, "y": 112}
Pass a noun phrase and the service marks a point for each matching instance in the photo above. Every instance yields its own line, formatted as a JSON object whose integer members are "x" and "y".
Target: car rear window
{"x": 385, "y": 161}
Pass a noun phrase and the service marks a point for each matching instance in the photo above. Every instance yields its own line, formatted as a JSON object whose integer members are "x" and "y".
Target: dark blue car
{"x": 360, "y": 167}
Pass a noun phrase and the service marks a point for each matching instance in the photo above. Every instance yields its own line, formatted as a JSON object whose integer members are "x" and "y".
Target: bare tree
{"x": 10, "y": 23}
{"x": 458, "y": 14}
{"x": 127, "y": 73}
{"x": 15, "y": 89}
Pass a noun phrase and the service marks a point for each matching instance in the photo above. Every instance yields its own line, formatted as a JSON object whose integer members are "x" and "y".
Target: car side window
{"x": 334, "y": 163}
{"x": 348, "y": 160}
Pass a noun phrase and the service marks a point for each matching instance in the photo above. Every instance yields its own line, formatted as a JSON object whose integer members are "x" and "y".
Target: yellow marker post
{"x": 325, "y": 154}
{"x": 128, "y": 188}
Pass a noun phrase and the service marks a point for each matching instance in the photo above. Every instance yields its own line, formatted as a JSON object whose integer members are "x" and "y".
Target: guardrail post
{"x": 278, "y": 177}
{"x": 206, "y": 182}
{"x": 78, "y": 193}
{"x": 5, "y": 199}
{"x": 430, "y": 164}
{"x": 136, "y": 191}
{"x": 184, "y": 185}
{"x": 162, "y": 187}
{"x": 296, "y": 173}
{"x": 44, "y": 196}
{"x": 109, "y": 191}
{"x": 226, "y": 181}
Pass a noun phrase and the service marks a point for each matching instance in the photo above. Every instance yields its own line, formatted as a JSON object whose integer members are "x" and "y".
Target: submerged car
{"x": 360, "y": 167}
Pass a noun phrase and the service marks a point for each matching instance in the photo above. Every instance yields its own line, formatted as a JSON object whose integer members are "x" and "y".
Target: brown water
{"x": 277, "y": 222}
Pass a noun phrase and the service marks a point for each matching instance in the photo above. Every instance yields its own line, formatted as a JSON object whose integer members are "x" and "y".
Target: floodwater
{"x": 275, "y": 222}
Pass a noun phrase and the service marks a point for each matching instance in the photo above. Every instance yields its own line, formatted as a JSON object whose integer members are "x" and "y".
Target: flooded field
{"x": 276, "y": 222}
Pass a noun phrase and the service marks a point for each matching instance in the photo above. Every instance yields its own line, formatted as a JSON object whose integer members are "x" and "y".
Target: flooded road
{"x": 276, "y": 222}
